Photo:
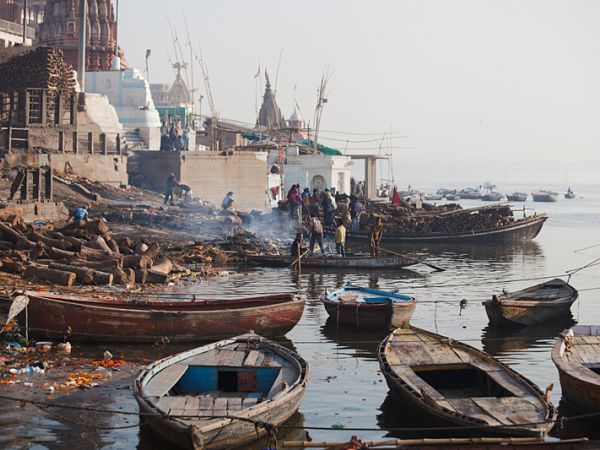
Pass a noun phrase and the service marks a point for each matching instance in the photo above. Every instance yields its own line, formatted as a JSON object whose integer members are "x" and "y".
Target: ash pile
{"x": 445, "y": 219}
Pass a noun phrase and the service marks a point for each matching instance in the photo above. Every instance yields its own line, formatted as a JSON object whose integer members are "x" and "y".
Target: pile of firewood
{"x": 42, "y": 68}
{"x": 405, "y": 221}
{"x": 83, "y": 255}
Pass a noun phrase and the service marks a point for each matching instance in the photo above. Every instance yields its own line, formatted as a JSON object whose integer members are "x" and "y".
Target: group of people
{"x": 175, "y": 136}
{"x": 303, "y": 205}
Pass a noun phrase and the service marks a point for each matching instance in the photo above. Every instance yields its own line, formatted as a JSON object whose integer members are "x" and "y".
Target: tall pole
{"x": 81, "y": 59}
{"x": 24, "y": 21}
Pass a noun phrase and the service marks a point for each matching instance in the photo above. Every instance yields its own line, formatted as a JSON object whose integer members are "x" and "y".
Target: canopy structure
{"x": 321, "y": 148}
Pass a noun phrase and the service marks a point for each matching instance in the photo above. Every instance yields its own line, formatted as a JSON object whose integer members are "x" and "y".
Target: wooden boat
{"x": 520, "y": 230}
{"x": 576, "y": 355}
{"x": 536, "y": 304}
{"x": 544, "y": 196}
{"x": 492, "y": 197}
{"x": 456, "y": 385}
{"x": 50, "y": 316}
{"x": 517, "y": 197}
{"x": 368, "y": 308}
{"x": 217, "y": 396}
{"x": 349, "y": 262}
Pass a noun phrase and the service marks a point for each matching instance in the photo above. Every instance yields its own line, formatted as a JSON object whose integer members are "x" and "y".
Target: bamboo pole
{"x": 414, "y": 442}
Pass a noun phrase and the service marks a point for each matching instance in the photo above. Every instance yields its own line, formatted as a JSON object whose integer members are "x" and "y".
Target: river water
{"x": 346, "y": 387}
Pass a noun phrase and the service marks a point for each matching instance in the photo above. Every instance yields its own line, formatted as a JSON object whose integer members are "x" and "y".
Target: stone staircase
{"x": 133, "y": 141}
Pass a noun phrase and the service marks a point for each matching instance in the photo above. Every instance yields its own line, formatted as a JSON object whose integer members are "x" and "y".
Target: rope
{"x": 268, "y": 427}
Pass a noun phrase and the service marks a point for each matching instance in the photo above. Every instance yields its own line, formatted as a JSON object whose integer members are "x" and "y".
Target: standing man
{"x": 375, "y": 237}
{"x": 186, "y": 137}
{"x": 227, "y": 202}
{"x": 172, "y": 183}
{"x": 356, "y": 208}
{"x": 340, "y": 238}
{"x": 316, "y": 235}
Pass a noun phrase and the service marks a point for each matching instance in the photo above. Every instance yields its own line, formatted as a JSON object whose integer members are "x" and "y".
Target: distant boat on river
{"x": 517, "y": 197}
{"x": 570, "y": 194}
{"x": 544, "y": 196}
{"x": 492, "y": 196}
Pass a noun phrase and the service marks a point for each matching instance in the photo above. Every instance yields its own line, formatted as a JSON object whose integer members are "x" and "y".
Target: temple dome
{"x": 270, "y": 116}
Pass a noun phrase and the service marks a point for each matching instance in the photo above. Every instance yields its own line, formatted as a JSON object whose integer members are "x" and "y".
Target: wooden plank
{"x": 512, "y": 410}
{"x": 249, "y": 402}
{"x": 234, "y": 404}
{"x": 206, "y": 403}
{"x": 251, "y": 358}
{"x": 227, "y": 358}
{"x": 467, "y": 407}
{"x": 220, "y": 403}
{"x": 268, "y": 360}
{"x": 412, "y": 354}
{"x": 164, "y": 380}
{"x": 203, "y": 359}
{"x": 238, "y": 358}
{"x": 192, "y": 403}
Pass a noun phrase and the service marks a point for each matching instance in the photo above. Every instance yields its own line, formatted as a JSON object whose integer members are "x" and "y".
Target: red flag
{"x": 396, "y": 200}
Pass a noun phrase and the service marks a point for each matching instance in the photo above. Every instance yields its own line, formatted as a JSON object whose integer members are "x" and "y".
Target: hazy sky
{"x": 504, "y": 80}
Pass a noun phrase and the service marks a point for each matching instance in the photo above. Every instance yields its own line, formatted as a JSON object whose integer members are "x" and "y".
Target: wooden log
{"x": 98, "y": 227}
{"x": 125, "y": 251}
{"x": 58, "y": 277}
{"x": 75, "y": 231}
{"x": 124, "y": 276}
{"x": 102, "y": 278}
{"x": 9, "y": 233}
{"x": 112, "y": 244}
{"x": 84, "y": 275}
{"x": 140, "y": 276}
{"x": 153, "y": 250}
{"x": 137, "y": 262}
{"x": 76, "y": 243}
{"x": 99, "y": 244}
{"x": 58, "y": 243}
{"x": 93, "y": 254}
{"x": 24, "y": 244}
{"x": 157, "y": 278}
{"x": 6, "y": 245}
{"x": 57, "y": 253}
{"x": 126, "y": 242}
{"x": 108, "y": 265}
{"x": 162, "y": 267}
{"x": 13, "y": 267}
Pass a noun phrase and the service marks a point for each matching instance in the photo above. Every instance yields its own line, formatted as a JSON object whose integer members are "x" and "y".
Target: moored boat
{"x": 106, "y": 320}
{"x": 517, "y": 197}
{"x": 517, "y": 231}
{"x": 453, "y": 384}
{"x": 349, "y": 262}
{"x": 570, "y": 194}
{"x": 492, "y": 196}
{"x": 536, "y": 304}
{"x": 576, "y": 354}
{"x": 544, "y": 196}
{"x": 360, "y": 307}
{"x": 469, "y": 194}
{"x": 220, "y": 396}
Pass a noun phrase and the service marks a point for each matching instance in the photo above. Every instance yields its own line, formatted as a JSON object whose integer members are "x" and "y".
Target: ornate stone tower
{"x": 61, "y": 29}
{"x": 269, "y": 116}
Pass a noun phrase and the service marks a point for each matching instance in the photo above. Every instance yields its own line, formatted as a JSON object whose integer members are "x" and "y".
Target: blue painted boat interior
{"x": 250, "y": 381}
{"x": 368, "y": 295}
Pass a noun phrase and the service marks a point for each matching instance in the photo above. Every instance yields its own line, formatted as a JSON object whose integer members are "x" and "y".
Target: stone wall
{"x": 209, "y": 174}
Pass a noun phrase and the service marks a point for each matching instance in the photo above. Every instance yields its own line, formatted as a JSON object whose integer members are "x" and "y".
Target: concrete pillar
{"x": 370, "y": 178}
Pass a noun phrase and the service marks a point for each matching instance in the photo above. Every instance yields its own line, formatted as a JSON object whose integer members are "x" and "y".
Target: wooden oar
{"x": 436, "y": 268}
{"x": 297, "y": 261}
{"x": 415, "y": 442}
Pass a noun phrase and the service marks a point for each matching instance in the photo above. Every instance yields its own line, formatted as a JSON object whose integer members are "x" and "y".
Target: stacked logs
{"x": 401, "y": 220}
{"x": 85, "y": 255}
{"x": 42, "y": 68}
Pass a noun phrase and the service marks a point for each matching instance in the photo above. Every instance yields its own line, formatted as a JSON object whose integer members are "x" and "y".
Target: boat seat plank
{"x": 505, "y": 380}
{"x": 444, "y": 354}
{"x": 226, "y": 358}
{"x": 417, "y": 383}
{"x": 468, "y": 407}
{"x": 412, "y": 354}
{"x": 512, "y": 410}
{"x": 164, "y": 380}
{"x": 251, "y": 358}
{"x": 238, "y": 358}
{"x": 202, "y": 358}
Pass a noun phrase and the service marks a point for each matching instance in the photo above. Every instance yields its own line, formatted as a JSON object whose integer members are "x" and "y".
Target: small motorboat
{"x": 452, "y": 197}
{"x": 452, "y": 384}
{"x": 469, "y": 194}
{"x": 360, "y": 307}
{"x": 536, "y": 304}
{"x": 517, "y": 197}
{"x": 432, "y": 197}
{"x": 220, "y": 396}
{"x": 570, "y": 194}
{"x": 576, "y": 355}
{"x": 544, "y": 196}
